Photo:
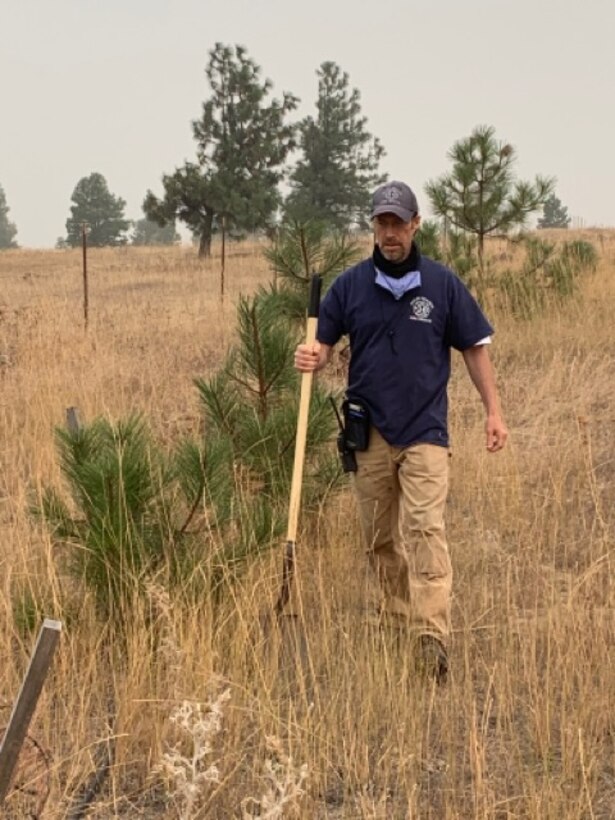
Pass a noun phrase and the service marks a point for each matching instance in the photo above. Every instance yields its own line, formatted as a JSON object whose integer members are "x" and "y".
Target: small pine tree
{"x": 251, "y": 408}
{"x": 550, "y": 273}
{"x": 301, "y": 249}
{"x": 554, "y": 214}
{"x": 117, "y": 479}
{"x": 202, "y": 512}
{"x": 480, "y": 195}
{"x": 455, "y": 249}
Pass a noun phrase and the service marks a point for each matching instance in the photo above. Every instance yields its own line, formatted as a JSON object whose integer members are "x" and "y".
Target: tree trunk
{"x": 480, "y": 283}
{"x": 205, "y": 238}
{"x": 481, "y": 250}
{"x": 223, "y": 259}
{"x": 204, "y": 246}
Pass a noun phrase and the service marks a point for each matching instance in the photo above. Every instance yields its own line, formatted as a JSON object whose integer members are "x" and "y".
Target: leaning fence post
{"x": 73, "y": 420}
{"x": 25, "y": 704}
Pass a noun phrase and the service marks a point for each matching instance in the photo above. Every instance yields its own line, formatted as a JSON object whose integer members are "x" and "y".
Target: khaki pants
{"x": 401, "y": 493}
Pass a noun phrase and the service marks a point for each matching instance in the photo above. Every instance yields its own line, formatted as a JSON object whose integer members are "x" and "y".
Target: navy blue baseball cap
{"x": 395, "y": 198}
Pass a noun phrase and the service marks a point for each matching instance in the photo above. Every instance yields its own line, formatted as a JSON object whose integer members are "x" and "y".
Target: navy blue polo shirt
{"x": 400, "y": 349}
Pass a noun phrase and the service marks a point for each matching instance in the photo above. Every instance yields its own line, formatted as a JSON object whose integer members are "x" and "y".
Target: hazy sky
{"x": 112, "y": 86}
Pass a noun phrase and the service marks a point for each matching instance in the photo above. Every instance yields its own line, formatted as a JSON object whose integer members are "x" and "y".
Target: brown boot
{"x": 432, "y": 658}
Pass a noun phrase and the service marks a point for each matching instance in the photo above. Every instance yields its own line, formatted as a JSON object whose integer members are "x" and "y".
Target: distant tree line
{"x": 245, "y": 139}
{"x": 8, "y": 231}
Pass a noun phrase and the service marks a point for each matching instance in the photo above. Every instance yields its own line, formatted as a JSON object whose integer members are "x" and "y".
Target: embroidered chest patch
{"x": 420, "y": 309}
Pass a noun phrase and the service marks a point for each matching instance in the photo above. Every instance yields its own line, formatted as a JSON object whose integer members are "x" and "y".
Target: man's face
{"x": 394, "y": 236}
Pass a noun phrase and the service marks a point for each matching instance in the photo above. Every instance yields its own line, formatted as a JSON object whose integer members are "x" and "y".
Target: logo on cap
{"x": 392, "y": 194}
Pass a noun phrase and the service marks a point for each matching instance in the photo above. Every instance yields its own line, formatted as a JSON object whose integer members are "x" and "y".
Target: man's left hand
{"x": 496, "y": 432}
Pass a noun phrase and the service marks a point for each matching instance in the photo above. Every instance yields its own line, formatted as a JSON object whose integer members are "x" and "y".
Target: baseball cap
{"x": 395, "y": 198}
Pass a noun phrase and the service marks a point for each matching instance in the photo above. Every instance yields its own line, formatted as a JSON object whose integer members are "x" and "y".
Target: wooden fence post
{"x": 73, "y": 420}
{"x": 25, "y": 704}
{"x": 84, "y": 254}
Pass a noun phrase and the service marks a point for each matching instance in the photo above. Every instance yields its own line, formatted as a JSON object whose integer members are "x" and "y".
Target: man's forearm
{"x": 482, "y": 374}
{"x": 324, "y": 355}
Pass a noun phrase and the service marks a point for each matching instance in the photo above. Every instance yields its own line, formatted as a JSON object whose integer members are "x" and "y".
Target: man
{"x": 403, "y": 312}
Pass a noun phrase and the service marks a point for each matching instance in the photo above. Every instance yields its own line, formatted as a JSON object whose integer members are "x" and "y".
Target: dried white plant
{"x": 190, "y": 768}
{"x": 284, "y": 786}
{"x": 169, "y": 650}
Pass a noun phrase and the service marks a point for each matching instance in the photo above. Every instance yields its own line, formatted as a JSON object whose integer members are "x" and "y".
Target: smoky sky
{"x": 112, "y": 87}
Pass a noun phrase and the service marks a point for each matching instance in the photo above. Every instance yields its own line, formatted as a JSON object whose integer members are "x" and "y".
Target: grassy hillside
{"x": 526, "y": 725}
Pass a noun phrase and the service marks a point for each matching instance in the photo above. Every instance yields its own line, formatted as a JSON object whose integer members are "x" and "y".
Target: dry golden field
{"x": 525, "y": 727}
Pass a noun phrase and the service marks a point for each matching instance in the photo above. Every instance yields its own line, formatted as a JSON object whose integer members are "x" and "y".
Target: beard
{"x": 394, "y": 253}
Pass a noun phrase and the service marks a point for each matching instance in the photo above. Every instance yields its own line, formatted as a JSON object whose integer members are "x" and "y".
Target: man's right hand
{"x": 309, "y": 358}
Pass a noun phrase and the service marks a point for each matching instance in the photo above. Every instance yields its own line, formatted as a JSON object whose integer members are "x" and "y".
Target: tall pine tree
{"x": 242, "y": 142}
{"x": 94, "y": 204}
{"x": 334, "y": 179}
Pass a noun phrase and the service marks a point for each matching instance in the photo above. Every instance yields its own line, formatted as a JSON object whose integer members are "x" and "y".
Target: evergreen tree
{"x": 8, "y": 231}
{"x": 456, "y": 249}
{"x": 187, "y": 197}
{"x": 117, "y": 480}
{"x": 339, "y": 169}
{"x": 203, "y": 510}
{"x": 251, "y": 408}
{"x": 242, "y": 143}
{"x": 301, "y": 249}
{"x": 148, "y": 232}
{"x": 480, "y": 195}
{"x": 103, "y": 212}
{"x": 554, "y": 214}
{"x": 549, "y": 274}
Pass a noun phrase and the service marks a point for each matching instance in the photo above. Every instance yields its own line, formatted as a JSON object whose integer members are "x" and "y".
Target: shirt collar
{"x": 398, "y": 287}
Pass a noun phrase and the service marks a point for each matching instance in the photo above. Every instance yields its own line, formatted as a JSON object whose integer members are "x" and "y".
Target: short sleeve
{"x": 467, "y": 323}
{"x": 331, "y": 322}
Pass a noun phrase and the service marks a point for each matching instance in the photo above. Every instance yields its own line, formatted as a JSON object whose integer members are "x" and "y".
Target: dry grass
{"x": 526, "y": 726}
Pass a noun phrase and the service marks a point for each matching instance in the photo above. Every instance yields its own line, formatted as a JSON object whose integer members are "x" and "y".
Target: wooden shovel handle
{"x": 304, "y": 411}
{"x": 300, "y": 440}
{"x": 302, "y": 425}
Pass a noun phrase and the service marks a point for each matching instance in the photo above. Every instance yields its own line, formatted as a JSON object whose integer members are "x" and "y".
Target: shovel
{"x": 288, "y": 566}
